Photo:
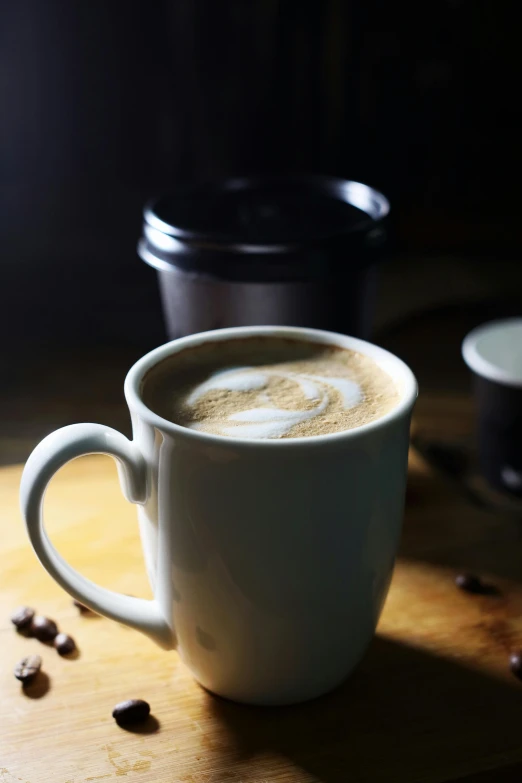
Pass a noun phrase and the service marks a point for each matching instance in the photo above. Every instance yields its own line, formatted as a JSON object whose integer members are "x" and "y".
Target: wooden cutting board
{"x": 432, "y": 701}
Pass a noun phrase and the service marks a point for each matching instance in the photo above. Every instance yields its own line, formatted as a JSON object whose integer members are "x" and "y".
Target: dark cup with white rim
{"x": 493, "y": 352}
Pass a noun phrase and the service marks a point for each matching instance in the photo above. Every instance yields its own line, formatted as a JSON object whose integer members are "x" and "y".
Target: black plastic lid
{"x": 265, "y": 229}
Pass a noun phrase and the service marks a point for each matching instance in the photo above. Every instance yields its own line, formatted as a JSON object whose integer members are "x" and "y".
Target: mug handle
{"x": 58, "y": 448}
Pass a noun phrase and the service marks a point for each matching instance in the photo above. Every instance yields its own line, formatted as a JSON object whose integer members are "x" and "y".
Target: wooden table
{"x": 432, "y": 701}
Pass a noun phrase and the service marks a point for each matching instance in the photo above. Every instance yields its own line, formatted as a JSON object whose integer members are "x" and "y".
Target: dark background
{"x": 107, "y": 103}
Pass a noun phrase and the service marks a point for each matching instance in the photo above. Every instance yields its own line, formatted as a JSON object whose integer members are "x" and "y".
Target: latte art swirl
{"x": 268, "y": 420}
{"x": 270, "y": 388}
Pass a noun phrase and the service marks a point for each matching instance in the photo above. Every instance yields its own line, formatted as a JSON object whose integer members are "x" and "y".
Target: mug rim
{"x": 134, "y": 378}
{"x": 479, "y": 364}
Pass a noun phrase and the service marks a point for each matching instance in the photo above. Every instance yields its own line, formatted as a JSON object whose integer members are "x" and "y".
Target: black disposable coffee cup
{"x": 493, "y": 352}
{"x": 296, "y": 250}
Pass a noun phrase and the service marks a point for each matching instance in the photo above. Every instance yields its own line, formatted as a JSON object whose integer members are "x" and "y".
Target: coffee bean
{"x": 22, "y": 617}
{"x": 131, "y": 711}
{"x": 64, "y": 644}
{"x": 515, "y": 664}
{"x": 82, "y": 608}
{"x": 469, "y": 583}
{"x": 44, "y": 629}
{"x": 27, "y": 668}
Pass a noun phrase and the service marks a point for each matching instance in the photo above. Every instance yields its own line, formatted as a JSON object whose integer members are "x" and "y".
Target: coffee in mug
{"x": 269, "y": 387}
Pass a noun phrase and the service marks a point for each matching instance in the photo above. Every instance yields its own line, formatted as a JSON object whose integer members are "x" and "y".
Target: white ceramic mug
{"x": 269, "y": 559}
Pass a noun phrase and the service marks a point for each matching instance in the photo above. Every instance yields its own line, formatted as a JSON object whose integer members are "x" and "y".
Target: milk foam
{"x": 241, "y": 379}
{"x": 268, "y": 421}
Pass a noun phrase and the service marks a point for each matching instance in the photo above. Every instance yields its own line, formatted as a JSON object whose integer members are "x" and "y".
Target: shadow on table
{"x": 456, "y": 461}
{"x": 453, "y": 519}
{"x": 403, "y": 716}
{"x": 446, "y": 525}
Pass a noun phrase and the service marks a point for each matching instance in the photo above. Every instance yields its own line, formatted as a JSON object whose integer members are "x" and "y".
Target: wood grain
{"x": 432, "y": 701}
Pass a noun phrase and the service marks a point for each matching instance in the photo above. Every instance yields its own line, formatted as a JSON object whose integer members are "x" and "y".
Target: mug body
{"x": 271, "y": 560}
